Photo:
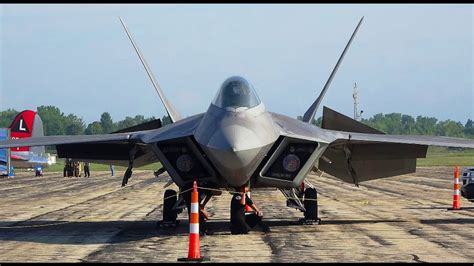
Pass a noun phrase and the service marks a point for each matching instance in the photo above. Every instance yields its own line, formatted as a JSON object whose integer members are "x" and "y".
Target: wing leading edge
{"x": 77, "y": 139}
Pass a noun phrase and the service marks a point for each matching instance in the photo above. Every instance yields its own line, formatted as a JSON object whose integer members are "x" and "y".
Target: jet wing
{"x": 356, "y": 157}
{"x": 364, "y": 138}
{"x": 111, "y": 148}
{"x": 108, "y": 148}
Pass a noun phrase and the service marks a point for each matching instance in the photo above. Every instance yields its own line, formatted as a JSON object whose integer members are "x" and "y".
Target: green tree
{"x": 94, "y": 128}
{"x": 450, "y": 128}
{"x": 106, "y": 122}
{"x": 378, "y": 121}
{"x": 408, "y": 124}
{"x": 469, "y": 128}
{"x": 7, "y": 116}
{"x": 426, "y": 125}
{"x": 318, "y": 121}
{"x": 127, "y": 122}
{"x": 53, "y": 120}
{"x": 165, "y": 120}
{"x": 132, "y": 121}
{"x": 74, "y": 125}
{"x": 394, "y": 123}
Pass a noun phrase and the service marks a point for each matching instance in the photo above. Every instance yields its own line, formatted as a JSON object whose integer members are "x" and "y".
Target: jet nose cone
{"x": 236, "y": 151}
{"x": 234, "y": 138}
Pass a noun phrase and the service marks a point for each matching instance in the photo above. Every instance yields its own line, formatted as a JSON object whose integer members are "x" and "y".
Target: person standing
{"x": 76, "y": 168}
{"x": 87, "y": 172}
{"x": 80, "y": 169}
{"x": 112, "y": 169}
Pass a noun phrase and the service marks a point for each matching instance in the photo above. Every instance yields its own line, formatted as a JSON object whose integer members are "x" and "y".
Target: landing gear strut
{"x": 128, "y": 172}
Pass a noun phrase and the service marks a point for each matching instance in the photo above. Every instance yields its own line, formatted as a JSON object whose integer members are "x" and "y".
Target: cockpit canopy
{"x": 236, "y": 93}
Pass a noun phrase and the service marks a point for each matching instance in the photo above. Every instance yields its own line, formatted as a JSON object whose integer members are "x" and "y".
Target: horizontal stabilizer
{"x": 337, "y": 121}
{"x": 154, "y": 124}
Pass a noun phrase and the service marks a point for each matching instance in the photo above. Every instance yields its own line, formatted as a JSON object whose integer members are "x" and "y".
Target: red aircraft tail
{"x": 25, "y": 125}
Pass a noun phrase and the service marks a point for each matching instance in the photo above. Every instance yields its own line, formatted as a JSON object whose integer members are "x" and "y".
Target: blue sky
{"x": 413, "y": 59}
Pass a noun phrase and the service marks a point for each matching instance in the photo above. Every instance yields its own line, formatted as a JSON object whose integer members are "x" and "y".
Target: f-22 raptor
{"x": 238, "y": 142}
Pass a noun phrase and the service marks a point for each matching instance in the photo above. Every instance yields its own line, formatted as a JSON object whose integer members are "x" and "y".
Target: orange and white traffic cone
{"x": 194, "y": 253}
{"x": 456, "y": 193}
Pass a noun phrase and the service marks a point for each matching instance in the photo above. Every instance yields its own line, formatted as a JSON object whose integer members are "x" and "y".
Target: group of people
{"x": 76, "y": 168}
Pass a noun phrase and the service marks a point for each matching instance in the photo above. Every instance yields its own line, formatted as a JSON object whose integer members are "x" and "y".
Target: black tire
{"x": 169, "y": 200}
{"x": 311, "y": 204}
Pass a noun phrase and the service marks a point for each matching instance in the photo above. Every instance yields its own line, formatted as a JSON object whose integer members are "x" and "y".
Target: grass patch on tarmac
{"x": 441, "y": 156}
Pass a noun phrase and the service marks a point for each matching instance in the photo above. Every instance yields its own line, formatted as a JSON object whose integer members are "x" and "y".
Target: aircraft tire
{"x": 170, "y": 198}
{"x": 310, "y": 204}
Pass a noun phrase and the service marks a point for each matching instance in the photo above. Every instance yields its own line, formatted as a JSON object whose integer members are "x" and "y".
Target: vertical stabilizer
{"x": 309, "y": 115}
{"x": 27, "y": 124}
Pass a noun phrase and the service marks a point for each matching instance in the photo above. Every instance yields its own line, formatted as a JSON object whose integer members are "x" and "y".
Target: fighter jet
{"x": 237, "y": 141}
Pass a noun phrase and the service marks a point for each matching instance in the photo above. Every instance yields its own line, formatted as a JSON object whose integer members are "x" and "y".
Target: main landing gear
{"x": 170, "y": 209}
{"x": 305, "y": 199}
{"x": 174, "y": 204}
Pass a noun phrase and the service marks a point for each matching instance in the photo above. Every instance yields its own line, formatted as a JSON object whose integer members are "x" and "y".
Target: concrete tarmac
{"x": 398, "y": 219}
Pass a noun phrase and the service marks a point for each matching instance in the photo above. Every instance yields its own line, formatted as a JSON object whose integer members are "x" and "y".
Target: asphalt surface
{"x": 398, "y": 219}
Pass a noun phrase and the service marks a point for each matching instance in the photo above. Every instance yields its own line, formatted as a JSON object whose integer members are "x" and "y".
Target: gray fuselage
{"x": 236, "y": 138}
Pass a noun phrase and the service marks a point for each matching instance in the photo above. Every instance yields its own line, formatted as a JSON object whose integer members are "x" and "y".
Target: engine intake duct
{"x": 288, "y": 162}
{"x": 184, "y": 161}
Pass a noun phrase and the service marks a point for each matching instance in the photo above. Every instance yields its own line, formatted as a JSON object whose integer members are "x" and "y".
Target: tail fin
{"x": 309, "y": 115}
{"x": 27, "y": 124}
{"x": 172, "y": 113}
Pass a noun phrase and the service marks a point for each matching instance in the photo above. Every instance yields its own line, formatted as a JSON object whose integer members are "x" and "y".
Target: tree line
{"x": 401, "y": 124}
{"x": 56, "y": 122}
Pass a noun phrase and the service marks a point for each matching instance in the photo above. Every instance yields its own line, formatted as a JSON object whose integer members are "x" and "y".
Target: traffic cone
{"x": 194, "y": 253}
{"x": 456, "y": 193}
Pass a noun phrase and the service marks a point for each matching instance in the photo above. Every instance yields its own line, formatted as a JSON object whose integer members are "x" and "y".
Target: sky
{"x": 414, "y": 59}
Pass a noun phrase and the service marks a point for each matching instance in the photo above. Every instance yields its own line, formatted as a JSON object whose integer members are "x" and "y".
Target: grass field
{"x": 440, "y": 156}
